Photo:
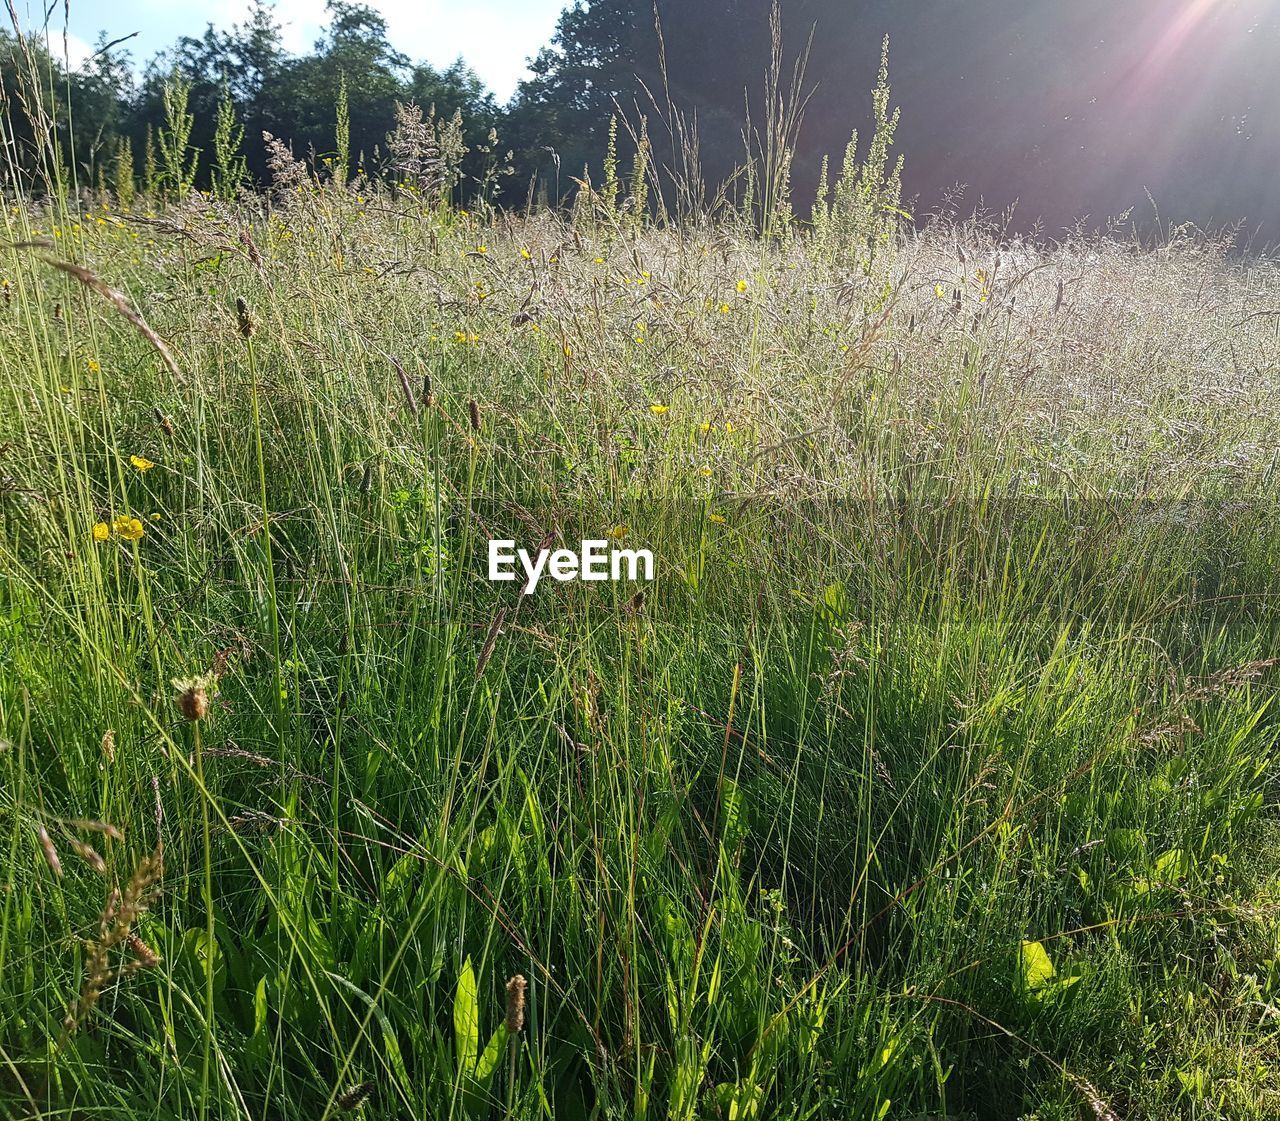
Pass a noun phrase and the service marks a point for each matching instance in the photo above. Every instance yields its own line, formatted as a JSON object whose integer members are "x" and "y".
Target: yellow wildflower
{"x": 101, "y": 531}
{"x": 716, "y": 519}
{"x": 526, "y": 254}
{"x": 658, "y": 410}
{"x": 725, "y": 309}
{"x": 128, "y": 528}
{"x": 92, "y": 366}
{"x": 141, "y": 462}
{"x": 618, "y": 532}
{"x": 742, "y": 287}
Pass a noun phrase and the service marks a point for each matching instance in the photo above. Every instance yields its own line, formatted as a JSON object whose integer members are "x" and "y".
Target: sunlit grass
{"x": 931, "y": 777}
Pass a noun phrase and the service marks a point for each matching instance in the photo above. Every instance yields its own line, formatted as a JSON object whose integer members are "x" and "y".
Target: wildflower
{"x": 618, "y": 532}
{"x": 526, "y": 254}
{"x": 599, "y": 260}
{"x": 141, "y": 462}
{"x": 728, "y": 426}
{"x": 705, "y": 472}
{"x": 725, "y": 309}
{"x": 658, "y": 410}
{"x": 482, "y": 249}
{"x": 568, "y": 351}
{"x": 716, "y": 519}
{"x": 704, "y": 427}
{"x": 92, "y": 366}
{"x": 742, "y": 287}
{"x": 939, "y": 291}
{"x": 101, "y": 531}
{"x": 132, "y": 530}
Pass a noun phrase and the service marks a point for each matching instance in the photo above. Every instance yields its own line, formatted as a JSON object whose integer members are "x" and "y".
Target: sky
{"x": 494, "y": 36}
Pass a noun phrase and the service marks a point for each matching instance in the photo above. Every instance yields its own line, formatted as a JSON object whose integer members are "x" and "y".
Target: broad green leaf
{"x": 466, "y": 1019}
{"x": 492, "y": 1054}
{"x": 1037, "y": 969}
{"x": 260, "y": 1008}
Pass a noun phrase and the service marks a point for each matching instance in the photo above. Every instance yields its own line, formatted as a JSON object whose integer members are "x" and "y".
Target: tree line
{"x": 1078, "y": 109}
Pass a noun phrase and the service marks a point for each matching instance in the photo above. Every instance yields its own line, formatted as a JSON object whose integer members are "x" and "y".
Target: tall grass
{"x": 932, "y": 777}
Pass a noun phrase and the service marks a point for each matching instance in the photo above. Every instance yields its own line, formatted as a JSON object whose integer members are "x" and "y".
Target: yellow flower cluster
{"x": 131, "y": 529}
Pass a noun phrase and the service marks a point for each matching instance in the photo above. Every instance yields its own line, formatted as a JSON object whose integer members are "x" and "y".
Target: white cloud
{"x": 68, "y": 48}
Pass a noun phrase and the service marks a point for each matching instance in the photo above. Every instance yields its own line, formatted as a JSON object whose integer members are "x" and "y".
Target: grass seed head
{"x": 242, "y": 315}
{"x": 50, "y": 853}
{"x": 515, "y": 1004}
{"x": 193, "y": 696}
{"x": 351, "y": 1100}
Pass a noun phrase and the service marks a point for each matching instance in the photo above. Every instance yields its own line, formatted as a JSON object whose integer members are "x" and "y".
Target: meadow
{"x": 933, "y": 776}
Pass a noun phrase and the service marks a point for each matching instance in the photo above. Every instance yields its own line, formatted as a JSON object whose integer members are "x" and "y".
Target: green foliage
{"x": 342, "y": 164}
{"x": 229, "y": 166}
{"x": 864, "y": 211}
{"x": 178, "y": 159}
{"x": 123, "y": 181}
{"x": 610, "y": 187}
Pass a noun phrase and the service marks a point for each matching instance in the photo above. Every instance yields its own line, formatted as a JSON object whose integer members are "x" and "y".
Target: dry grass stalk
{"x": 50, "y": 853}
{"x": 490, "y": 641}
{"x": 121, "y": 911}
{"x": 120, "y": 301}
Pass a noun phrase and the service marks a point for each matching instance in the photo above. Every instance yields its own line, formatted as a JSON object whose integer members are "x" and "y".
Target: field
{"x": 932, "y": 777}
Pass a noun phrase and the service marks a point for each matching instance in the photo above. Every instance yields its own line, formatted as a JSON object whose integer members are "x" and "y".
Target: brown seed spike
{"x": 50, "y": 853}
{"x": 193, "y": 696}
{"x": 90, "y": 856}
{"x": 242, "y": 314}
{"x": 147, "y": 957}
{"x": 473, "y": 411}
{"x": 353, "y": 1099}
{"x": 515, "y": 1004}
